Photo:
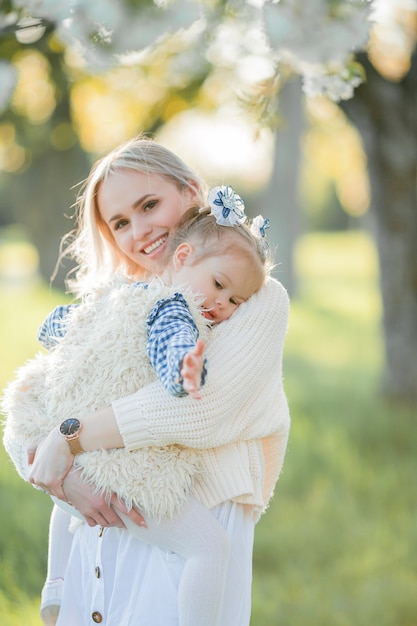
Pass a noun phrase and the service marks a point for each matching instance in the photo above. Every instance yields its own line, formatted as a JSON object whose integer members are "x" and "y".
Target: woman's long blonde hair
{"x": 91, "y": 244}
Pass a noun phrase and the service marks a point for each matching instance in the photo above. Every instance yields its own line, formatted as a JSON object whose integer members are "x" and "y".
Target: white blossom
{"x": 334, "y": 86}
{"x": 313, "y": 38}
{"x": 311, "y": 34}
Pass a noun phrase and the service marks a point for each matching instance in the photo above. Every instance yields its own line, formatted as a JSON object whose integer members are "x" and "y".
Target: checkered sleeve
{"x": 172, "y": 332}
{"x": 53, "y": 328}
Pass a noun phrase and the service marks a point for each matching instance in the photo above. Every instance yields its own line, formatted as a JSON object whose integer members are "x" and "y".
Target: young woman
{"x": 131, "y": 205}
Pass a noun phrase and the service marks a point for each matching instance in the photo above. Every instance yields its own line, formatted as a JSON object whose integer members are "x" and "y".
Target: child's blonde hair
{"x": 91, "y": 244}
{"x": 199, "y": 227}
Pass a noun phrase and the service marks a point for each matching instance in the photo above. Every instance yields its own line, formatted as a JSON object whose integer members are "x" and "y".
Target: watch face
{"x": 70, "y": 426}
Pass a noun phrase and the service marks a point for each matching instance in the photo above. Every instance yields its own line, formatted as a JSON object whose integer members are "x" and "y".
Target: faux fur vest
{"x": 102, "y": 358}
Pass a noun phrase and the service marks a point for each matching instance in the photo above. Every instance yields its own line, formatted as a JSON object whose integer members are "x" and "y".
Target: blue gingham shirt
{"x": 53, "y": 328}
{"x": 172, "y": 332}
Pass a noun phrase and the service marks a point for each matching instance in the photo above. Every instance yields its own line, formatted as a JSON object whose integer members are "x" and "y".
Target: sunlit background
{"x": 337, "y": 546}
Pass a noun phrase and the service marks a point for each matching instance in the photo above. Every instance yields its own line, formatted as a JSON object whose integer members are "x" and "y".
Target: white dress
{"x": 115, "y": 579}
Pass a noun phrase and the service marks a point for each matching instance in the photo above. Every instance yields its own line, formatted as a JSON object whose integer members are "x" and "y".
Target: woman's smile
{"x": 155, "y": 245}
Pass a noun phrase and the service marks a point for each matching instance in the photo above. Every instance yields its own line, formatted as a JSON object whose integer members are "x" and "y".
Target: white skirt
{"x": 115, "y": 579}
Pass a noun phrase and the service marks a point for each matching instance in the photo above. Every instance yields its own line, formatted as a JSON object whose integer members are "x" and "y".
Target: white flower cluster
{"x": 317, "y": 41}
{"x": 317, "y": 32}
{"x": 104, "y": 31}
{"x": 335, "y": 86}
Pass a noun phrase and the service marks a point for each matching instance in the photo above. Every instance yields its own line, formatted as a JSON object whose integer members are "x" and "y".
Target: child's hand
{"x": 192, "y": 370}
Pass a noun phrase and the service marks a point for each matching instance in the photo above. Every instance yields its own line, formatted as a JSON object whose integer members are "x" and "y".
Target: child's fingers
{"x": 193, "y": 391}
{"x": 188, "y": 361}
{"x": 199, "y": 348}
{"x": 192, "y": 364}
{"x": 192, "y": 368}
{"x": 191, "y": 379}
{"x": 191, "y": 384}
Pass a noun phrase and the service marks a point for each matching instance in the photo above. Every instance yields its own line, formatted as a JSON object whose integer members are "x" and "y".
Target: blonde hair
{"x": 91, "y": 244}
{"x": 199, "y": 226}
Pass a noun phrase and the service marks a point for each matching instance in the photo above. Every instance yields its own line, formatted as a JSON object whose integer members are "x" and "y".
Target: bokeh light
{"x": 34, "y": 96}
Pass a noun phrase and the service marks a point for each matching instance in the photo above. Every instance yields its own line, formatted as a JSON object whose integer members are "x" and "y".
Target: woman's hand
{"x": 93, "y": 506}
{"x": 52, "y": 462}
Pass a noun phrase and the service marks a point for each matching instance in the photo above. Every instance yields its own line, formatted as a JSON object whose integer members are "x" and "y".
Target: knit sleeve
{"x": 243, "y": 397}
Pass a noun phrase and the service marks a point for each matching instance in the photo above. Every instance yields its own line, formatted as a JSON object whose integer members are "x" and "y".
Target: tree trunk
{"x": 280, "y": 199}
{"x": 385, "y": 114}
{"x": 44, "y": 195}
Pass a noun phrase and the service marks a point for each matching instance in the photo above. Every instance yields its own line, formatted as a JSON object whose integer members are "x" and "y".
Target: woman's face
{"x": 142, "y": 210}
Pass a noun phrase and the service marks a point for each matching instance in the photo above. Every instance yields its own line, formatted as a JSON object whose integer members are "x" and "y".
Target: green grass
{"x": 24, "y": 512}
{"x": 338, "y": 545}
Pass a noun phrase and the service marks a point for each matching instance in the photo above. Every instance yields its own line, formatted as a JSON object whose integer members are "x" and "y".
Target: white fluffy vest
{"x": 102, "y": 358}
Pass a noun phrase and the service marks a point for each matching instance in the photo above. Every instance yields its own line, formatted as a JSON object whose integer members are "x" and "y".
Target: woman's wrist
{"x": 99, "y": 430}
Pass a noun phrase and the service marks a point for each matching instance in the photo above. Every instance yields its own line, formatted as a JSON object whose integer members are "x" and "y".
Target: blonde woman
{"x": 132, "y": 203}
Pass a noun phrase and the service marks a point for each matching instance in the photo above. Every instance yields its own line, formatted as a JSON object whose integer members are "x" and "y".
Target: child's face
{"x": 142, "y": 211}
{"x": 223, "y": 281}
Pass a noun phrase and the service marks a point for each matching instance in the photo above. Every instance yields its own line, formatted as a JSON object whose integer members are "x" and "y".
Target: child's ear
{"x": 181, "y": 254}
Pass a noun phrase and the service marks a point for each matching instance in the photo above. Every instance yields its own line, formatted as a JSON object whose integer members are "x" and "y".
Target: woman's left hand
{"x": 97, "y": 508}
{"x": 51, "y": 464}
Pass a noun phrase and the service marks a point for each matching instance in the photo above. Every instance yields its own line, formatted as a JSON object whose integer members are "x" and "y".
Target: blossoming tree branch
{"x": 317, "y": 39}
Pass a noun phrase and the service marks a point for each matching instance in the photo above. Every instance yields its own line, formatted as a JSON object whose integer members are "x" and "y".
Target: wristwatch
{"x": 70, "y": 430}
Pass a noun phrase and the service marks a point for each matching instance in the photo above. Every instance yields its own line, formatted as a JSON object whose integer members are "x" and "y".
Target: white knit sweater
{"x": 241, "y": 425}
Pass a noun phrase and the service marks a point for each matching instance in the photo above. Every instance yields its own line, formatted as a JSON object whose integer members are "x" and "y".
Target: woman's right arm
{"x": 243, "y": 397}
{"x": 244, "y": 356}
{"x": 244, "y": 380}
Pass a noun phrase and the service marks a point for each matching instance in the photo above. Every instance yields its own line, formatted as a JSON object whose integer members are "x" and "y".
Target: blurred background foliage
{"x": 338, "y": 181}
{"x": 236, "y": 113}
